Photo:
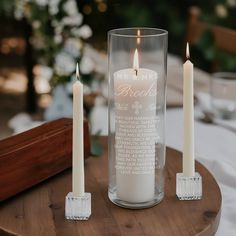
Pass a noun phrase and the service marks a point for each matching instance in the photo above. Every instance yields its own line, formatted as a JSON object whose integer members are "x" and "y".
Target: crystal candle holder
{"x": 78, "y": 208}
{"x": 189, "y": 188}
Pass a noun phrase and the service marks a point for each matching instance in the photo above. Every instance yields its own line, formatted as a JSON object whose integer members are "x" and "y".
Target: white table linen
{"x": 215, "y": 147}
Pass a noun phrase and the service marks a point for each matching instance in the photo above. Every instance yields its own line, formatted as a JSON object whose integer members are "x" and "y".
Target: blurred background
{"x": 41, "y": 41}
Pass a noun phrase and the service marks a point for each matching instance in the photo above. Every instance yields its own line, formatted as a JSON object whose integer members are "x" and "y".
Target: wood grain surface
{"x": 40, "y": 210}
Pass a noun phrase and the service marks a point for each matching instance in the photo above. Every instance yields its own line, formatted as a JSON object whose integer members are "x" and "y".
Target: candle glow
{"x": 138, "y": 39}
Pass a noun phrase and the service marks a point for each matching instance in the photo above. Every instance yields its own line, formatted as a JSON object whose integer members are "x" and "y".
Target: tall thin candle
{"x": 78, "y": 141}
{"x": 188, "y": 107}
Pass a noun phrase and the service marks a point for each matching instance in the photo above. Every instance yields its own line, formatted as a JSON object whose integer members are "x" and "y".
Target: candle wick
{"x": 188, "y": 56}
{"x": 136, "y": 72}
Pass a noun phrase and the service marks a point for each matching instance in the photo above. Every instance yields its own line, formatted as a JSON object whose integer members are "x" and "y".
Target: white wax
{"x": 135, "y": 134}
{"x": 78, "y": 141}
{"x": 188, "y": 107}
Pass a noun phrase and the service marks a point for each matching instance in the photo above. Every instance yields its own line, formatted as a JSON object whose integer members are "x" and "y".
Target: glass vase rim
{"x": 159, "y": 32}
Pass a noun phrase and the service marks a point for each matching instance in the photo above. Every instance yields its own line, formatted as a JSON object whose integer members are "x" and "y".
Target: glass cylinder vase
{"x": 137, "y": 104}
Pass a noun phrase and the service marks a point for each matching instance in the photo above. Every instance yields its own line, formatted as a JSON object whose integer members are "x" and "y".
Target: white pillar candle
{"x": 135, "y": 91}
{"x": 78, "y": 139}
{"x": 188, "y": 107}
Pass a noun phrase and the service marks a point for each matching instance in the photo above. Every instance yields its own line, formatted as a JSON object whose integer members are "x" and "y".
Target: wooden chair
{"x": 225, "y": 39}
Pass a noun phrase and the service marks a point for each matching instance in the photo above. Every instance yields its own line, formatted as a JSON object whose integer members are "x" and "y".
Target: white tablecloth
{"x": 215, "y": 147}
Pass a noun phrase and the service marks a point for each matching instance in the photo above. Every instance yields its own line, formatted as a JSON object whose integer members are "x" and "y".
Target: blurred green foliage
{"x": 103, "y": 15}
{"x": 6, "y": 8}
{"x": 208, "y": 57}
{"x": 171, "y": 15}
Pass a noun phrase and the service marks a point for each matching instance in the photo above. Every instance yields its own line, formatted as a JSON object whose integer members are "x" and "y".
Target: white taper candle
{"x": 188, "y": 107}
{"x": 78, "y": 138}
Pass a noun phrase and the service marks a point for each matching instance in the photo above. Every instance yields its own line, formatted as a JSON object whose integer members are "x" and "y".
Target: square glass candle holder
{"x": 189, "y": 188}
{"x": 78, "y": 208}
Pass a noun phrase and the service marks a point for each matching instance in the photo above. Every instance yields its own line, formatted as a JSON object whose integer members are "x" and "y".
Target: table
{"x": 40, "y": 210}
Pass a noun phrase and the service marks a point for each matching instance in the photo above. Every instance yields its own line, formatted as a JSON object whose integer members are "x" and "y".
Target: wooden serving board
{"x": 31, "y": 157}
{"x": 40, "y": 210}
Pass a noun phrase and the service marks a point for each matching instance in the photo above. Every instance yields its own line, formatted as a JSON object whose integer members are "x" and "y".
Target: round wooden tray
{"x": 40, "y": 210}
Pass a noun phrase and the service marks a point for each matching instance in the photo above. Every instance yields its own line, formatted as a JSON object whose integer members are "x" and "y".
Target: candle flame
{"x": 138, "y": 39}
{"x": 136, "y": 62}
{"x": 77, "y": 71}
{"x": 187, "y": 51}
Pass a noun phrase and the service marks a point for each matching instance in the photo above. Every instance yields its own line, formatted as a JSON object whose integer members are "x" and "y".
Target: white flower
{"x": 53, "y": 7}
{"x": 100, "y": 101}
{"x": 42, "y": 85}
{"x": 46, "y": 72}
{"x": 18, "y": 13}
{"x": 36, "y": 24}
{"x": 42, "y": 3}
{"x": 53, "y": 10}
{"x": 104, "y": 89}
{"x": 95, "y": 86}
{"x": 74, "y": 20}
{"x": 86, "y": 89}
{"x": 58, "y": 29}
{"x": 64, "y": 64}
{"x": 69, "y": 85}
{"x": 37, "y": 42}
{"x": 19, "y": 10}
{"x": 57, "y": 38}
{"x": 99, "y": 118}
{"x": 73, "y": 46}
{"x": 70, "y": 7}
{"x": 55, "y": 23}
{"x": 221, "y": 10}
{"x": 231, "y": 3}
{"x": 86, "y": 65}
{"x": 99, "y": 59}
{"x": 19, "y": 119}
{"x": 83, "y": 32}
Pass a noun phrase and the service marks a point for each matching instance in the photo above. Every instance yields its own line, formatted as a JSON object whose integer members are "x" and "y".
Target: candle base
{"x": 189, "y": 188}
{"x": 78, "y": 208}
